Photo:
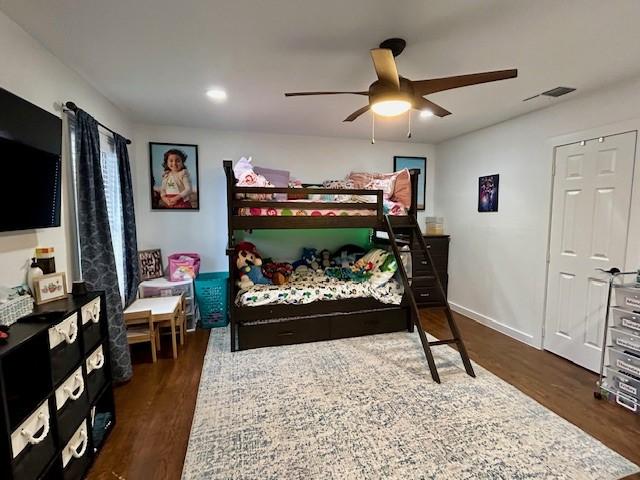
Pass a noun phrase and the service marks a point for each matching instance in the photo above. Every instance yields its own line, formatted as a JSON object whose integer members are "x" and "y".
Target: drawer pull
{"x": 628, "y": 404}
{"x": 425, "y": 294}
{"x": 97, "y": 362}
{"x": 71, "y": 335}
{"x": 285, "y": 334}
{"x": 79, "y": 384}
{"x": 424, "y": 262}
{"x": 82, "y": 445}
{"x": 43, "y": 419}
{"x": 94, "y": 313}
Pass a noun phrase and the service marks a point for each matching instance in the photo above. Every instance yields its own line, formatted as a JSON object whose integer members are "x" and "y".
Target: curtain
{"x": 96, "y": 252}
{"x": 132, "y": 272}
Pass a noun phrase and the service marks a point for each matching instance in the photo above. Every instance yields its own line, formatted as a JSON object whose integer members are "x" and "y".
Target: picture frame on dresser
{"x": 50, "y": 287}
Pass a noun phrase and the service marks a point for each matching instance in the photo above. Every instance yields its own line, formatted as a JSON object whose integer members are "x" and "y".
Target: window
{"x": 111, "y": 180}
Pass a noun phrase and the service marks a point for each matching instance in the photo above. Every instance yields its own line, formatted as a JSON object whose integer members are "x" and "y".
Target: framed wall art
{"x": 419, "y": 163}
{"x": 488, "y": 193}
{"x": 173, "y": 169}
{"x": 150, "y": 262}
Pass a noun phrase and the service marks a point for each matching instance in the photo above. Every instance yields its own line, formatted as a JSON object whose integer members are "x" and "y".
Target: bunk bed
{"x": 284, "y": 324}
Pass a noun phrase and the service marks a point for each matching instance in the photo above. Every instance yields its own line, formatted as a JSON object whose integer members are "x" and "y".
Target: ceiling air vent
{"x": 554, "y": 92}
{"x": 558, "y": 91}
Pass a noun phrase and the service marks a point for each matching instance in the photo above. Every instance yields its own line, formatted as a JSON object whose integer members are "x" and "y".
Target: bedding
{"x": 314, "y": 286}
{"x": 389, "y": 207}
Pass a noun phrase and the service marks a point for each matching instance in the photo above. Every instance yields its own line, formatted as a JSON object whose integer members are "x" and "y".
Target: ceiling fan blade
{"x": 424, "y": 104}
{"x": 356, "y": 114}
{"x": 385, "y": 66}
{"x": 425, "y": 87}
{"x": 301, "y": 94}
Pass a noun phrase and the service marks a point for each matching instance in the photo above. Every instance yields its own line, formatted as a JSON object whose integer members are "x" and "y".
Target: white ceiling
{"x": 156, "y": 58}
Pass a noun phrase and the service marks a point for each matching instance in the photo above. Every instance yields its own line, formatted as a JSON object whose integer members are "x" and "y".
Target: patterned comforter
{"x": 391, "y": 208}
{"x": 312, "y": 287}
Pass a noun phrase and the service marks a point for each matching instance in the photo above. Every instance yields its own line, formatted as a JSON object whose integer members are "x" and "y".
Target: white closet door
{"x": 589, "y": 223}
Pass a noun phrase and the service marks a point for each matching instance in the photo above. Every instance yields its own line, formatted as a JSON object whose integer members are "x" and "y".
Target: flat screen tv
{"x": 30, "y": 147}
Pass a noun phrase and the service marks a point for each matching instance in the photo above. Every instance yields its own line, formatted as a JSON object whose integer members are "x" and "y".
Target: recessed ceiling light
{"x": 426, "y": 114}
{"x": 217, "y": 94}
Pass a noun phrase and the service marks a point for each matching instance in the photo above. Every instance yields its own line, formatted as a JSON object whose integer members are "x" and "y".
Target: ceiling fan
{"x": 392, "y": 94}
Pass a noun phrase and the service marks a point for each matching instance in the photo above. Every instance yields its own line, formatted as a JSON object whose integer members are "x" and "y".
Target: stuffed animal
{"x": 277, "y": 272}
{"x": 325, "y": 259}
{"x": 347, "y": 255}
{"x": 309, "y": 261}
{"x": 249, "y": 265}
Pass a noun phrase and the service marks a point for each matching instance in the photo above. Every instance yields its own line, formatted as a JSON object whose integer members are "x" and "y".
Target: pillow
{"x": 401, "y": 187}
{"x": 385, "y": 184}
{"x": 386, "y": 271}
{"x": 278, "y": 178}
{"x": 243, "y": 171}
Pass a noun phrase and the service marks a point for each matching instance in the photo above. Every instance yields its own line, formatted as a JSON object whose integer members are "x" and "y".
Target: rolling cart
{"x": 619, "y": 381}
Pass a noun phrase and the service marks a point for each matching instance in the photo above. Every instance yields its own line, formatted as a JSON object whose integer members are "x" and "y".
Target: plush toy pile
{"x": 349, "y": 262}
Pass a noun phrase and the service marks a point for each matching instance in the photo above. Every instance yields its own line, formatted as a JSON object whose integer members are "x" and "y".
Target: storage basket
{"x": 626, "y": 320}
{"x": 628, "y": 297}
{"x": 629, "y": 341}
{"x": 211, "y": 295}
{"x": 15, "y": 308}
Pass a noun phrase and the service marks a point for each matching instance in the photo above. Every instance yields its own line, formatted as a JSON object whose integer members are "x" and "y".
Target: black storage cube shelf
{"x": 56, "y": 405}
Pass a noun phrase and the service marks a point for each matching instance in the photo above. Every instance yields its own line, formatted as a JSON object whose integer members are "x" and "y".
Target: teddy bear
{"x": 308, "y": 262}
{"x": 249, "y": 265}
{"x": 325, "y": 259}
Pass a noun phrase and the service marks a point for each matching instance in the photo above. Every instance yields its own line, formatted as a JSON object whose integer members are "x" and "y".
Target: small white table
{"x": 163, "y": 309}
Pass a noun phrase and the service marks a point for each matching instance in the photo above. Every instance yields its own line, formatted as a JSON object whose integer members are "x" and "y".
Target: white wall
{"x": 498, "y": 260}
{"x": 33, "y": 73}
{"x": 310, "y": 159}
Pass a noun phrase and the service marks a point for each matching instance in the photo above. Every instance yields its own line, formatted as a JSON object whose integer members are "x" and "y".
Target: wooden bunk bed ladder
{"x": 426, "y": 344}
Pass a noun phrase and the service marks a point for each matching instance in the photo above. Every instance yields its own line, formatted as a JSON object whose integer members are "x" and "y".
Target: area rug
{"x": 366, "y": 408}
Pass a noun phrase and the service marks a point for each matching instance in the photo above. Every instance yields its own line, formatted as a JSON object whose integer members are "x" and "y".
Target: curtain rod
{"x": 74, "y": 108}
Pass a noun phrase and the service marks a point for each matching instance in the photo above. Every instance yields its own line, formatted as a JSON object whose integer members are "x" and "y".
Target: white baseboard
{"x": 496, "y": 325}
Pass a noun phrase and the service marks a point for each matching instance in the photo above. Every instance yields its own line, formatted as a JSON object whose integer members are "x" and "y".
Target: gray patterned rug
{"x": 366, "y": 408}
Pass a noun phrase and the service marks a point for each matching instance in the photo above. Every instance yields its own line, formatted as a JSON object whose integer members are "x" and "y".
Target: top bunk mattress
{"x": 389, "y": 208}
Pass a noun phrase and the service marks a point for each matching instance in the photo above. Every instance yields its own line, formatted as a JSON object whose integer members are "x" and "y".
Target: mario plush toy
{"x": 249, "y": 265}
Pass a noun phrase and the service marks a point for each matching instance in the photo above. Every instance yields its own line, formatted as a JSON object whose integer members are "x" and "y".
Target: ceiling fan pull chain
{"x": 373, "y": 128}
{"x": 409, "y": 132}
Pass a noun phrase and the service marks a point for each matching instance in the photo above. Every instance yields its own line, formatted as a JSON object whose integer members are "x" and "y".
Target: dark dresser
{"x": 425, "y": 288}
{"x": 56, "y": 397}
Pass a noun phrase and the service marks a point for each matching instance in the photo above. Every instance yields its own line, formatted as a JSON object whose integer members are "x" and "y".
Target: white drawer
{"x": 71, "y": 388}
{"x": 624, "y": 361}
{"x": 624, "y": 383}
{"x": 32, "y": 431}
{"x": 95, "y": 361}
{"x": 77, "y": 446}
{"x": 91, "y": 311}
{"x": 625, "y": 340}
{"x": 628, "y": 298}
{"x": 626, "y": 319}
{"x": 65, "y": 331}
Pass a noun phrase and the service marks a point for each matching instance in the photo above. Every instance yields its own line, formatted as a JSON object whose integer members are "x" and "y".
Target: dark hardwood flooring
{"x": 154, "y": 410}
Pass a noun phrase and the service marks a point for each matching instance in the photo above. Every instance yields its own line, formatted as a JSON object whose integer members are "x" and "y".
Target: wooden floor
{"x": 155, "y": 409}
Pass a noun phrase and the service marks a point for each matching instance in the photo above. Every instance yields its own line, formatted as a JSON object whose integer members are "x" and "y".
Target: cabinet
{"x": 425, "y": 288}
{"x": 161, "y": 287}
{"x": 56, "y": 397}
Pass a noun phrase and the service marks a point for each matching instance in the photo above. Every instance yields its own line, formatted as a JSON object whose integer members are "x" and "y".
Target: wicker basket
{"x": 15, "y": 308}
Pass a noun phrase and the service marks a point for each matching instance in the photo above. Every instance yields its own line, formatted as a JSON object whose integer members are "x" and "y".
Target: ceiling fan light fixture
{"x": 426, "y": 113}
{"x": 217, "y": 94}
{"x": 391, "y": 108}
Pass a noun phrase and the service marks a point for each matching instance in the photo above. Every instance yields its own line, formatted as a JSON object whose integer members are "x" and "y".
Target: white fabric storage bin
{"x": 628, "y": 297}
{"x": 622, "y": 382}
{"x": 625, "y": 319}
{"x": 624, "y": 361}
{"x": 71, "y": 388}
{"x": 625, "y": 340}
{"x": 77, "y": 446}
{"x": 66, "y": 331}
{"x": 91, "y": 311}
{"x": 32, "y": 431}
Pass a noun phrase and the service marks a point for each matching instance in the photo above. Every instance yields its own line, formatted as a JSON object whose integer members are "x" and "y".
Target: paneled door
{"x": 589, "y": 223}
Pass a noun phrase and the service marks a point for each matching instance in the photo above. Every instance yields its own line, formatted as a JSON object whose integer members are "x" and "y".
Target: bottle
{"x": 34, "y": 272}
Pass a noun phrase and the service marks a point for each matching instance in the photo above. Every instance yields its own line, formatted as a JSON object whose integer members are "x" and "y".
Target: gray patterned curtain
{"x": 97, "y": 259}
{"x": 132, "y": 272}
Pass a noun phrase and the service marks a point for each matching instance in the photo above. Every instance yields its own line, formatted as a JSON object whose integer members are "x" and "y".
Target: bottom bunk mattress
{"x": 313, "y": 287}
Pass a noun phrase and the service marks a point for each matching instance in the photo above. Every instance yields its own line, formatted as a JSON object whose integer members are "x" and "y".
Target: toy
{"x": 309, "y": 261}
{"x": 249, "y": 265}
{"x": 277, "y": 272}
{"x": 325, "y": 259}
{"x": 347, "y": 255}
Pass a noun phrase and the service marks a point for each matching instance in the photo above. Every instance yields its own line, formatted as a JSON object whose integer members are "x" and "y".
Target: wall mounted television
{"x": 30, "y": 149}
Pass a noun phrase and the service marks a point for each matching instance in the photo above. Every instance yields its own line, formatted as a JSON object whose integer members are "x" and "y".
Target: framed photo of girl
{"x": 173, "y": 168}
